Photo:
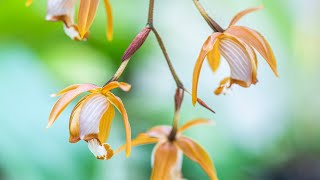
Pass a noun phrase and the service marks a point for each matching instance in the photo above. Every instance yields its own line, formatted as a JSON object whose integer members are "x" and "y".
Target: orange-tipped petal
{"x": 100, "y": 150}
{"x": 224, "y": 84}
{"x": 108, "y": 9}
{"x": 115, "y": 84}
{"x": 194, "y": 123}
{"x": 238, "y": 16}
{"x": 105, "y": 124}
{"x": 167, "y": 161}
{"x": 196, "y": 153}
{"x": 28, "y": 3}
{"x": 256, "y": 40}
{"x": 214, "y": 57}
{"x": 87, "y": 12}
{"x": 65, "y": 100}
{"x": 238, "y": 56}
{"x": 119, "y": 105}
{"x": 207, "y": 46}
{"x": 141, "y": 139}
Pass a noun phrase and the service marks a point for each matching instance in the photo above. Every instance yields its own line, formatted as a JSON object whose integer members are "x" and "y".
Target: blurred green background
{"x": 269, "y": 131}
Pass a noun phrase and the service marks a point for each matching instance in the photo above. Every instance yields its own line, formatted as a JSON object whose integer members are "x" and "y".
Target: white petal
{"x": 72, "y": 32}
{"x": 238, "y": 58}
{"x": 58, "y": 8}
{"x": 97, "y": 150}
{"x": 91, "y": 114}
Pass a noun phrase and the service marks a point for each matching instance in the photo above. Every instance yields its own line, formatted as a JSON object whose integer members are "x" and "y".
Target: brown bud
{"x": 178, "y": 98}
{"x": 136, "y": 43}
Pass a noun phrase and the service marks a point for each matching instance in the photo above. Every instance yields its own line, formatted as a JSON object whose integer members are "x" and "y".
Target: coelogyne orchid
{"x": 64, "y": 10}
{"x": 91, "y": 118}
{"x": 236, "y": 45}
{"x": 167, "y": 153}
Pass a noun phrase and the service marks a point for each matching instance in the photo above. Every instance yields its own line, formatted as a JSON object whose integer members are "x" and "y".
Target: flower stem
{"x": 150, "y": 14}
{"x": 119, "y": 72}
{"x": 213, "y": 24}
{"x": 165, "y": 53}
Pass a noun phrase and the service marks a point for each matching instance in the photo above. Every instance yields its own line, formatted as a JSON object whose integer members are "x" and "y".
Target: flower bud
{"x": 136, "y": 43}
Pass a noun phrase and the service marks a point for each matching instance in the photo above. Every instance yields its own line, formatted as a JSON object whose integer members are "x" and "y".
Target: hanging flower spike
{"x": 236, "y": 45}
{"x": 28, "y": 3}
{"x": 92, "y": 116}
{"x": 64, "y": 10}
{"x": 167, "y": 154}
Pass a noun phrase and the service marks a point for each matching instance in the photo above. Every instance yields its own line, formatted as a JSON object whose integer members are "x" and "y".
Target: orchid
{"x": 167, "y": 154}
{"x": 92, "y": 116}
{"x": 64, "y": 10}
{"x": 236, "y": 44}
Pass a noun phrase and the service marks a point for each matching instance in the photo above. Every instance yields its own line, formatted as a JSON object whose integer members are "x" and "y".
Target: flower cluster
{"x": 93, "y": 114}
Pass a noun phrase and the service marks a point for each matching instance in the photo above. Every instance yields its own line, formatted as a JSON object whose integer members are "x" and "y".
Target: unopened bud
{"x": 136, "y": 43}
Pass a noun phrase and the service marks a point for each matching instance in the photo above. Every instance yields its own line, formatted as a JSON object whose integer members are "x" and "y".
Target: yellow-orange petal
{"x": 194, "y": 122}
{"x": 115, "y": 84}
{"x": 105, "y": 124}
{"x": 256, "y": 40}
{"x": 28, "y": 3}
{"x": 207, "y": 46}
{"x": 74, "y": 125}
{"x": 87, "y": 12}
{"x": 100, "y": 150}
{"x": 214, "y": 57}
{"x": 225, "y": 83}
{"x": 65, "y": 100}
{"x": 119, "y": 105}
{"x": 65, "y": 90}
{"x": 141, "y": 139}
{"x": 238, "y": 16}
{"x": 196, "y": 153}
{"x": 108, "y": 9}
{"x": 167, "y": 161}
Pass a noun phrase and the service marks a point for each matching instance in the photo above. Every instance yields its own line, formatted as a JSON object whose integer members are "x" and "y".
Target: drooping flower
{"x": 236, "y": 44}
{"x": 168, "y": 152}
{"x": 64, "y": 10}
{"x": 92, "y": 116}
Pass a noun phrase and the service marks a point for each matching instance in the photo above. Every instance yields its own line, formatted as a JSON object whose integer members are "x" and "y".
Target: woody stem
{"x": 213, "y": 24}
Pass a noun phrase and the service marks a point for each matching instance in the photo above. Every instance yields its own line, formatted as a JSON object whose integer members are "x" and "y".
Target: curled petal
{"x": 256, "y": 40}
{"x": 243, "y": 13}
{"x": 167, "y": 161}
{"x": 214, "y": 57}
{"x": 74, "y": 123}
{"x": 196, "y": 153}
{"x": 105, "y": 124}
{"x": 65, "y": 100}
{"x": 141, "y": 139}
{"x": 207, "y": 46}
{"x": 119, "y": 105}
{"x": 194, "y": 123}
{"x": 115, "y": 84}
{"x": 224, "y": 84}
{"x": 91, "y": 114}
{"x": 239, "y": 58}
{"x": 65, "y": 90}
{"x": 87, "y": 12}
{"x": 108, "y": 9}
{"x": 100, "y": 151}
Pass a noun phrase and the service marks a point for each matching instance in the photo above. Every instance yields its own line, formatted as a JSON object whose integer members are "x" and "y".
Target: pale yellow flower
{"x": 236, "y": 44}
{"x": 91, "y": 118}
{"x": 168, "y": 152}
